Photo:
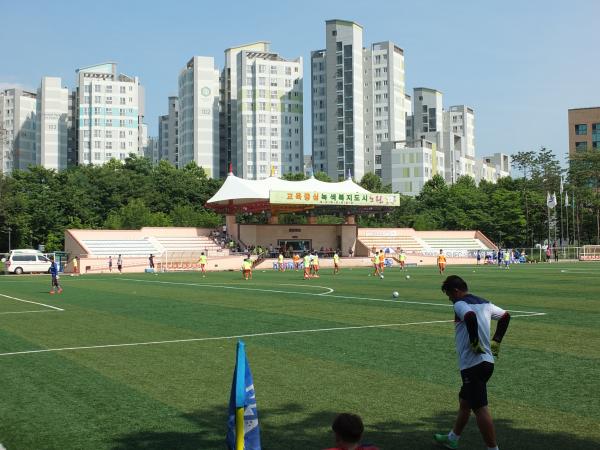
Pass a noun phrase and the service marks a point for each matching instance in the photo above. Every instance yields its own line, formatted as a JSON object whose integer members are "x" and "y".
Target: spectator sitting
{"x": 348, "y": 429}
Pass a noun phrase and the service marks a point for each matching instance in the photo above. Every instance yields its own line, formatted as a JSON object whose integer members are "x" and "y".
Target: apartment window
{"x": 288, "y": 70}
{"x": 97, "y": 144}
{"x": 121, "y": 134}
{"x": 274, "y": 94}
{"x": 262, "y": 68}
{"x": 581, "y": 146}
{"x": 108, "y": 89}
{"x": 109, "y": 100}
{"x": 97, "y": 88}
{"x": 338, "y": 45}
{"x": 86, "y": 133}
{"x": 123, "y": 145}
{"x": 273, "y": 70}
{"x": 122, "y": 101}
{"x": 262, "y": 81}
{"x": 108, "y": 134}
{"x": 97, "y": 99}
{"x": 581, "y": 129}
{"x": 108, "y": 145}
{"x": 97, "y": 156}
{"x": 122, "y": 90}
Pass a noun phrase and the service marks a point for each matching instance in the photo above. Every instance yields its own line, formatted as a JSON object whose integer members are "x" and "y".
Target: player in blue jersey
{"x": 54, "y": 273}
{"x": 472, "y": 317}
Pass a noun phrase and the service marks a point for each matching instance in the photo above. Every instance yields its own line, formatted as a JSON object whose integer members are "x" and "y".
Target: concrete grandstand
{"x": 177, "y": 248}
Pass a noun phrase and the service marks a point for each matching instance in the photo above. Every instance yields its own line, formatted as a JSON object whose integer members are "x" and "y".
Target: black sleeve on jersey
{"x": 471, "y": 323}
{"x": 501, "y": 327}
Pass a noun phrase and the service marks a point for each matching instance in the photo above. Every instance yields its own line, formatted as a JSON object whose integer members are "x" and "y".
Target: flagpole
{"x": 562, "y": 237}
{"x": 567, "y": 215}
{"x": 573, "y": 223}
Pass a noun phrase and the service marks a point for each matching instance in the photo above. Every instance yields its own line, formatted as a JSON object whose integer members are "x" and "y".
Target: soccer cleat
{"x": 52, "y": 292}
{"x": 445, "y": 441}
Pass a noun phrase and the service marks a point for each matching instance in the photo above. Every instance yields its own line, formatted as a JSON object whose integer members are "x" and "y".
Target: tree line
{"x": 39, "y": 204}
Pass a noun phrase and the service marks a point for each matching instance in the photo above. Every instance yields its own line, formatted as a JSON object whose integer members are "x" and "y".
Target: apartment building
{"x": 269, "y": 122}
{"x": 198, "y": 127}
{"x": 109, "y": 114}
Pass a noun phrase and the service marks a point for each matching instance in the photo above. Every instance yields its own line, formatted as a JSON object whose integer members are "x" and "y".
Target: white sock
{"x": 453, "y": 436}
{"x": 493, "y": 448}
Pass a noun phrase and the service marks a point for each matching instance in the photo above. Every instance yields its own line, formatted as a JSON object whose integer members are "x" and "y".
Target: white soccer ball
{"x": 381, "y": 276}
{"x": 408, "y": 277}
{"x": 395, "y": 294}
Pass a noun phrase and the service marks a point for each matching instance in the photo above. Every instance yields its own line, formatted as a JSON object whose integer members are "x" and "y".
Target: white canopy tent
{"x": 238, "y": 191}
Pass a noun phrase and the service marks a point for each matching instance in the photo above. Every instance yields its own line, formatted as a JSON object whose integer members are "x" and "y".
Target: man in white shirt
{"x": 472, "y": 317}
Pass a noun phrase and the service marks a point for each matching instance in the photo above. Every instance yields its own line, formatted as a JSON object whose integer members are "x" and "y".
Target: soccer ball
{"x": 408, "y": 277}
{"x": 395, "y": 294}
{"x": 381, "y": 276}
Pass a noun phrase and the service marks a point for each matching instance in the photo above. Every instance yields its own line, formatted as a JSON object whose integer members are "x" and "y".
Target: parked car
{"x": 21, "y": 261}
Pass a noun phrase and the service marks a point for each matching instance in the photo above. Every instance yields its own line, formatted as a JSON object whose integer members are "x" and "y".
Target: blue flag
{"x": 243, "y": 431}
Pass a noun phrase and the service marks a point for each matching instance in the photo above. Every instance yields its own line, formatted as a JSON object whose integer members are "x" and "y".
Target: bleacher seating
{"x": 125, "y": 247}
{"x": 454, "y": 243}
{"x": 407, "y": 243}
{"x": 195, "y": 244}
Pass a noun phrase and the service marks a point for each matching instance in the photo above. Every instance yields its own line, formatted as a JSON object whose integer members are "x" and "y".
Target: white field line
{"x": 35, "y": 303}
{"x": 238, "y": 336}
{"x": 219, "y": 338}
{"x": 444, "y": 305}
{"x": 27, "y": 312}
{"x": 311, "y": 285}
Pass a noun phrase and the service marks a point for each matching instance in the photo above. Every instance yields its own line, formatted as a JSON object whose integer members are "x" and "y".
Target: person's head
{"x": 202, "y": 254}
{"x": 51, "y": 258}
{"x": 455, "y": 287}
{"x": 348, "y": 429}
{"x": 441, "y": 251}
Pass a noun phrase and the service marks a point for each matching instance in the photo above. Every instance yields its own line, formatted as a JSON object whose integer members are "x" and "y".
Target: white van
{"x": 21, "y": 261}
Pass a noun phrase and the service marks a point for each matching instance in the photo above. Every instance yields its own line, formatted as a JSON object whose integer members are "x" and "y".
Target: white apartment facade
{"x": 168, "y": 133}
{"x": 18, "y": 129}
{"x": 198, "y": 123}
{"x": 337, "y": 101}
{"x": 358, "y": 101}
{"x": 495, "y": 166}
{"x": 109, "y": 111}
{"x": 459, "y": 142}
{"x": 269, "y": 122}
{"x": 229, "y": 104}
{"x": 407, "y": 166}
{"x": 52, "y": 124}
{"x": 384, "y": 100}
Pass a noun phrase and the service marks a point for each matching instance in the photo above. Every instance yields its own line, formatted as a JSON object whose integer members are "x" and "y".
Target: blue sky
{"x": 519, "y": 64}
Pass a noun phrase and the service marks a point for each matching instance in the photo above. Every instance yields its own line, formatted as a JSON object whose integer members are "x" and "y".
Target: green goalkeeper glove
{"x": 476, "y": 347}
{"x": 495, "y": 346}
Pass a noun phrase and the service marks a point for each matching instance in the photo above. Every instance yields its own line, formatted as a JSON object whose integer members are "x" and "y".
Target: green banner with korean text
{"x": 302, "y": 197}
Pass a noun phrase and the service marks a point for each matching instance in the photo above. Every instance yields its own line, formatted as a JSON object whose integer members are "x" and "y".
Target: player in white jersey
{"x": 472, "y": 317}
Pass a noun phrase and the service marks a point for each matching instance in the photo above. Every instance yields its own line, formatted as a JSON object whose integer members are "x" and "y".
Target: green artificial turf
{"x": 402, "y": 379}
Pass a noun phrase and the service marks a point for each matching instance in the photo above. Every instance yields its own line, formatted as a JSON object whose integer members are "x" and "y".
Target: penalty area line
{"x": 221, "y": 338}
{"x": 312, "y": 294}
{"x": 35, "y": 303}
{"x": 238, "y": 336}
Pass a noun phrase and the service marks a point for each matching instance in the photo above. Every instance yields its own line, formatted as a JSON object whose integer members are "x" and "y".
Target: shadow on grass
{"x": 291, "y": 428}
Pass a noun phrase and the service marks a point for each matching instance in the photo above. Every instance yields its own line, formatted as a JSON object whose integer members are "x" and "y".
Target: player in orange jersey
{"x": 441, "y": 262}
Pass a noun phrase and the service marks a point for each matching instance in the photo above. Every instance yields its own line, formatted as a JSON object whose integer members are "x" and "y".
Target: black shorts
{"x": 474, "y": 389}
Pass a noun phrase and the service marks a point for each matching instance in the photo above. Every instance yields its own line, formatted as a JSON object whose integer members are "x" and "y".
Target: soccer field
{"x": 142, "y": 361}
